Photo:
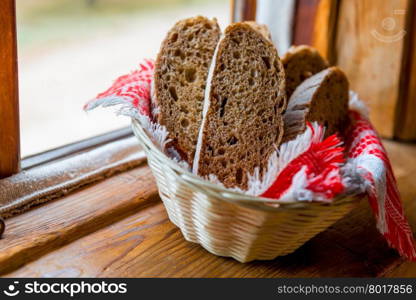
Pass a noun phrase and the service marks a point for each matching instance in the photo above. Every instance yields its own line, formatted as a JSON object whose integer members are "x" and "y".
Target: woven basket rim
{"x": 225, "y": 194}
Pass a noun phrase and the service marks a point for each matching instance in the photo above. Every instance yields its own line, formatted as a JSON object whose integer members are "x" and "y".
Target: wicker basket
{"x": 232, "y": 224}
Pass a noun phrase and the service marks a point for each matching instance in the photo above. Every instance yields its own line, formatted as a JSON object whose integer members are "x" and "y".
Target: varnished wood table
{"x": 119, "y": 228}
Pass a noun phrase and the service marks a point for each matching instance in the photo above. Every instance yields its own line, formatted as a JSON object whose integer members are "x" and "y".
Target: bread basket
{"x": 232, "y": 224}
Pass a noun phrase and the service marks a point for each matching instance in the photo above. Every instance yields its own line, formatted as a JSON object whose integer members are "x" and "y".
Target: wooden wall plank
{"x": 243, "y": 10}
{"x": 405, "y": 125}
{"x": 9, "y": 105}
{"x": 369, "y": 49}
{"x": 325, "y": 29}
{"x": 366, "y": 40}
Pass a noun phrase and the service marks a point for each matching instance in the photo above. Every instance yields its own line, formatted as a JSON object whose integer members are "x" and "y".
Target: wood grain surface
{"x": 111, "y": 230}
{"x": 375, "y": 43}
{"x": 41, "y": 230}
{"x": 325, "y": 29}
{"x": 369, "y": 49}
{"x": 405, "y": 122}
{"x": 9, "y": 104}
{"x": 243, "y": 10}
{"x": 304, "y": 21}
{"x": 148, "y": 245}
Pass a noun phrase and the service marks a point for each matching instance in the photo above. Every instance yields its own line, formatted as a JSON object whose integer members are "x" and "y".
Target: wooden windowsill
{"x": 118, "y": 227}
{"x": 75, "y": 148}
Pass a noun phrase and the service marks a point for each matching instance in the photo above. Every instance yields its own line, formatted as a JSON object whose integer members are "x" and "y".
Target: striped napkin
{"x": 367, "y": 156}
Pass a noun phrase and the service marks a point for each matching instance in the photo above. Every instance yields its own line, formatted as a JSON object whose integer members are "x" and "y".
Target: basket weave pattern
{"x": 232, "y": 224}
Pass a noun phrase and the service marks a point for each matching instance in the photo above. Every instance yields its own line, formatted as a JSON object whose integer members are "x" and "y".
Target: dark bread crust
{"x": 263, "y": 29}
{"x": 180, "y": 77}
{"x": 322, "y": 98}
{"x": 244, "y": 121}
{"x": 300, "y": 63}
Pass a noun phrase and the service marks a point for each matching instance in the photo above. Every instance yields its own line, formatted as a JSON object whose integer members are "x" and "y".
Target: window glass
{"x": 70, "y": 50}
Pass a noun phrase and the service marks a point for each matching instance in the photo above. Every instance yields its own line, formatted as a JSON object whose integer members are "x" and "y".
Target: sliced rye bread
{"x": 263, "y": 29}
{"x": 180, "y": 76}
{"x": 322, "y": 98}
{"x": 300, "y": 63}
{"x": 243, "y": 107}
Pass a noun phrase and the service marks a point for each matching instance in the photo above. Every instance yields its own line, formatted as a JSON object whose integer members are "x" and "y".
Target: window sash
{"x": 9, "y": 99}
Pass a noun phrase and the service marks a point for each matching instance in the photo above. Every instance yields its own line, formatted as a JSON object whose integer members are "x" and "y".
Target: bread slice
{"x": 322, "y": 98}
{"x": 243, "y": 107}
{"x": 180, "y": 76}
{"x": 300, "y": 63}
{"x": 261, "y": 28}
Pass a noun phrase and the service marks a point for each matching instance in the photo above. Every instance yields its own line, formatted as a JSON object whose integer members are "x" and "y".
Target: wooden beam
{"x": 304, "y": 20}
{"x": 243, "y": 10}
{"x": 405, "y": 121}
{"x": 325, "y": 29}
{"x": 9, "y": 104}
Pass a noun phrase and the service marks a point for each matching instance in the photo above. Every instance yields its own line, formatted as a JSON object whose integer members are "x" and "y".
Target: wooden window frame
{"x": 243, "y": 10}
{"x": 10, "y": 160}
{"x": 9, "y": 93}
{"x": 75, "y": 148}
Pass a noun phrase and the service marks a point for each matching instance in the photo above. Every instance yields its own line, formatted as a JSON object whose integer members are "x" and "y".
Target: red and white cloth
{"x": 131, "y": 92}
{"x": 310, "y": 168}
{"x": 367, "y": 156}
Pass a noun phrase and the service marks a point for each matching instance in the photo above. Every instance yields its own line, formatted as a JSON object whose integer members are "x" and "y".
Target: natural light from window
{"x": 70, "y": 50}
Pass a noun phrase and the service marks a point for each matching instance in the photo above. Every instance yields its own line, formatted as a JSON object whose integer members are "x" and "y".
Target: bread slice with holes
{"x": 261, "y": 28}
{"x": 322, "y": 98}
{"x": 242, "y": 118}
{"x": 300, "y": 63}
{"x": 180, "y": 76}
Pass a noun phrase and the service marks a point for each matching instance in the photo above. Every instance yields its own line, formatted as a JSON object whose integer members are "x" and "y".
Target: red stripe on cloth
{"x": 391, "y": 220}
{"x": 133, "y": 88}
{"x": 322, "y": 161}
